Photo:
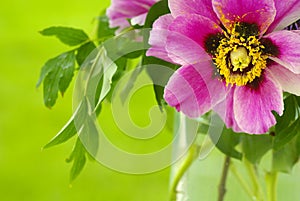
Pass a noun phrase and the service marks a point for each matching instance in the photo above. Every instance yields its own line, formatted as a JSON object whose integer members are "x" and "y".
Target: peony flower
{"x": 121, "y": 11}
{"x": 234, "y": 56}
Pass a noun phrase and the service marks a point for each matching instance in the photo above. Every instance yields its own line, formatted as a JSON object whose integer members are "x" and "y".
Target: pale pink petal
{"x": 287, "y": 12}
{"x": 288, "y": 43}
{"x": 200, "y": 7}
{"x": 225, "y": 111}
{"x": 261, "y": 12}
{"x": 194, "y": 90}
{"x": 158, "y": 38}
{"x": 139, "y": 20}
{"x": 296, "y": 32}
{"x": 186, "y": 42}
{"x": 289, "y": 81}
{"x": 253, "y": 107}
{"x": 120, "y": 11}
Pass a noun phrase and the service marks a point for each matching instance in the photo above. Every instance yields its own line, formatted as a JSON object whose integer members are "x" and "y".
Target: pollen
{"x": 239, "y": 58}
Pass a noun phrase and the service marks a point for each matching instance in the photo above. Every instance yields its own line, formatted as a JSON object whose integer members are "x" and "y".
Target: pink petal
{"x": 158, "y": 38}
{"x": 184, "y": 51}
{"x": 289, "y": 81}
{"x": 260, "y": 12}
{"x": 287, "y": 12}
{"x": 186, "y": 42}
{"x": 253, "y": 107}
{"x": 288, "y": 43}
{"x": 121, "y": 10}
{"x": 139, "y": 20}
{"x": 193, "y": 90}
{"x": 225, "y": 111}
{"x": 200, "y": 7}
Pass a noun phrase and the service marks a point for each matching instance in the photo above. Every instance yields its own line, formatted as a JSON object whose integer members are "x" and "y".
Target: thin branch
{"x": 241, "y": 180}
{"x": 222, "y": 185}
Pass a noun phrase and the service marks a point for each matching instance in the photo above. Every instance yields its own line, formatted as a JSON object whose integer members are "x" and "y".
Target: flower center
{"x": 240, "y": 59}
{"x": 239, "y": 55}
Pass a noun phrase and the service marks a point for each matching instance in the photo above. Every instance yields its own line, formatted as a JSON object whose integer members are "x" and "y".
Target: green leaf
{"x": 291, "y": 111}
{"x": 69, "y": 130}
{"x": 126, "y": 46}
{"x": 57, "y": 74}
{"x": 286, "y": 135}
{"x": 164, "y": 75}
{"x": 51, "y": 87}
{"x": 78, "y": 156}
{"x": 89, "y": 136}
{"x": 67, "y": 35}
{"x": 285, "y": 158}
{"x": 67, "y": 74}
{"x": 157, "y": 10}
{"x": 255, "y": 146}
{"x": 288, "y": 124}
{"x": 109, "y": 69}
{"x": 104, "y": 31}
{"x": 83, "y": 52}
{"x": 227, "y": 143}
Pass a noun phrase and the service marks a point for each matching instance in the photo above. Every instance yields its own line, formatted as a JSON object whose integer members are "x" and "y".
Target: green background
{"x": 26, "y": 171}
{"x": 29, "y": 173}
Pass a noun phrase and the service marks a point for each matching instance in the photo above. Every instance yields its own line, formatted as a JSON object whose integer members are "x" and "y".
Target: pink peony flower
{"x": 121, "y": 10}
{"x": 234, "y": 54}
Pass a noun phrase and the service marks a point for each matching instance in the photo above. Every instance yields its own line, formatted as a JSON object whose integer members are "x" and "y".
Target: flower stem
{"x": 222, "y": 185}
{"x": 255, "y": 182}
{"x": 271, "y": 181}
{"x": 183, "y": 166}
{"x": 241, "y": 180}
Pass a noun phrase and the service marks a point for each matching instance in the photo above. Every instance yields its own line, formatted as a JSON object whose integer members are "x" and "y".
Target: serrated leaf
{"x": 67, "y": 35}
{"x": 57, "y": 74}
{"x": 227, "y": 143}
{"x": 78, "y": 157}
{"x": 83, "y": 51}
{"x": 255, "y": 146}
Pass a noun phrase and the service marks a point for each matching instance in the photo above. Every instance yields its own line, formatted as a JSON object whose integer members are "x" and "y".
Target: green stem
{"x": 271, "y": 180}
{"x": 241, "y": 180}
{"x": 255, "y": 182}
{"x": 183, "y": 166}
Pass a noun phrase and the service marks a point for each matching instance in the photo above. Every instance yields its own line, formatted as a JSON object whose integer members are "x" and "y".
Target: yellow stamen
{"x": 239, "y": 60}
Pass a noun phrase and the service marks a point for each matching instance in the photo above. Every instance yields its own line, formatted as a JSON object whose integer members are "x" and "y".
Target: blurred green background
{"x": 27, "y": 172}
{"x": 31, "y": 174}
